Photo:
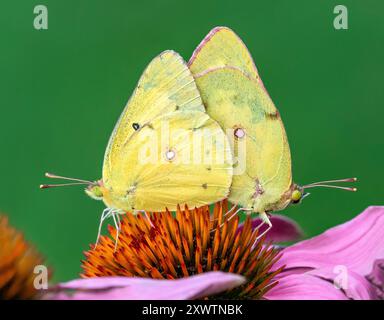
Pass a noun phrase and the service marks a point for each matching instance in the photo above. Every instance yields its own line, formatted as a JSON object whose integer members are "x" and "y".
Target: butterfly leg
{"x": 231, "y": 210}
{"x": 118, "y": 213}
{"x": 227, "y": 213}
{"x": 265, "y": 219}
{"x": 104, "y": 215}
{"x": 116, "y": 220}
{"x": 231, "y": 217}
{"x": 258, "y": 226}
{"x": 148, "y": 218}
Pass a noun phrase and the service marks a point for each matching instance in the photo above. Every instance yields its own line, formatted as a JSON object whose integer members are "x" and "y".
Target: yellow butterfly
{"x": 234, "y": 95}
{"x": 165, "y": 150}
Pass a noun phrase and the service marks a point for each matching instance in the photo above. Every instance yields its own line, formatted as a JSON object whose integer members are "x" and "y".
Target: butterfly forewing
{"x": 220, "y": 48}
{"x": 146, "y": 166}
{"x": 166, "y": 85}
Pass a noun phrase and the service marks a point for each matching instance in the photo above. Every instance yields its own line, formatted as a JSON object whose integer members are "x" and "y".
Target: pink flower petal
{"x": 376, "y": 278}
{"x": 338, "y": 284}
{"x": 354, "y": 285}
{"x": 126, "y": 288}
{"x": 283, "y": 229}
{"x": 355, "y": 244}
{"x": 304, "y": 287}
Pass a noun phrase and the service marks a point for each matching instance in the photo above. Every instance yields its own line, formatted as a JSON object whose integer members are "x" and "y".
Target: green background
{"x": 62, "y": 90}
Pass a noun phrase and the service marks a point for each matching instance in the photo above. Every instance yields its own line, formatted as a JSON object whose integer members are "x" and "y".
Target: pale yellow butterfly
{"x": 234, "y": 95}
{"x": 165, "y": 150}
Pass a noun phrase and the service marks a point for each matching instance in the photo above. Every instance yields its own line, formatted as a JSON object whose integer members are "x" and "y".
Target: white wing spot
{"x": 170, "y": 155}
{"x": 239, "y": 133}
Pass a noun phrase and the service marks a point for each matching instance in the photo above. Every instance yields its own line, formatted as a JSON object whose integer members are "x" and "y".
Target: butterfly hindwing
{"x": 197, "y": 172}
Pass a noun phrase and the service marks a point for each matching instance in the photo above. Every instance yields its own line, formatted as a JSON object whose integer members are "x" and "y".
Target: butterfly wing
{"x": 234, "y": 95}
{"x": 198, "y": 171}
{"x": 167, "y": 106}
{"x": 220, "y": 48}
{"x": 166, "y": 85}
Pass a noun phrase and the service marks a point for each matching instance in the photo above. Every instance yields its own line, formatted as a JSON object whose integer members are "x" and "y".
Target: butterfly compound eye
{"x": 296, "y": 196}
{"x": 95, "y": 192}
{"x": 135, "y": 126}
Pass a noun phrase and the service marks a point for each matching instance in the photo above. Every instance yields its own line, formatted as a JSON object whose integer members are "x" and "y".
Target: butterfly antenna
{"x": 333, "y": 181}
{"x": 54, "y": 176}
{"x": 326, "y": 184}
{"x": 75, "y": 182}
{"x": 46, "y": 186}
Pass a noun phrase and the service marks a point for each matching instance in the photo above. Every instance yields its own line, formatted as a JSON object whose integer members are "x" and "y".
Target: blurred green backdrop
{"x": 62, "y": 90}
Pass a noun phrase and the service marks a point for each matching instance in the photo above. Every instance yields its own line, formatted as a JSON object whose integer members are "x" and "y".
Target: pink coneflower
{"x": 345, "y": 262}
{"x": 210, "y": 255}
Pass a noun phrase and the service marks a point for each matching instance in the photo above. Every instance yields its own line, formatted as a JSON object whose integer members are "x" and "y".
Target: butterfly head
{"x": 294, "y": 195}
{"x": 298, "y": 193}
{"x": 94, "y": 189}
